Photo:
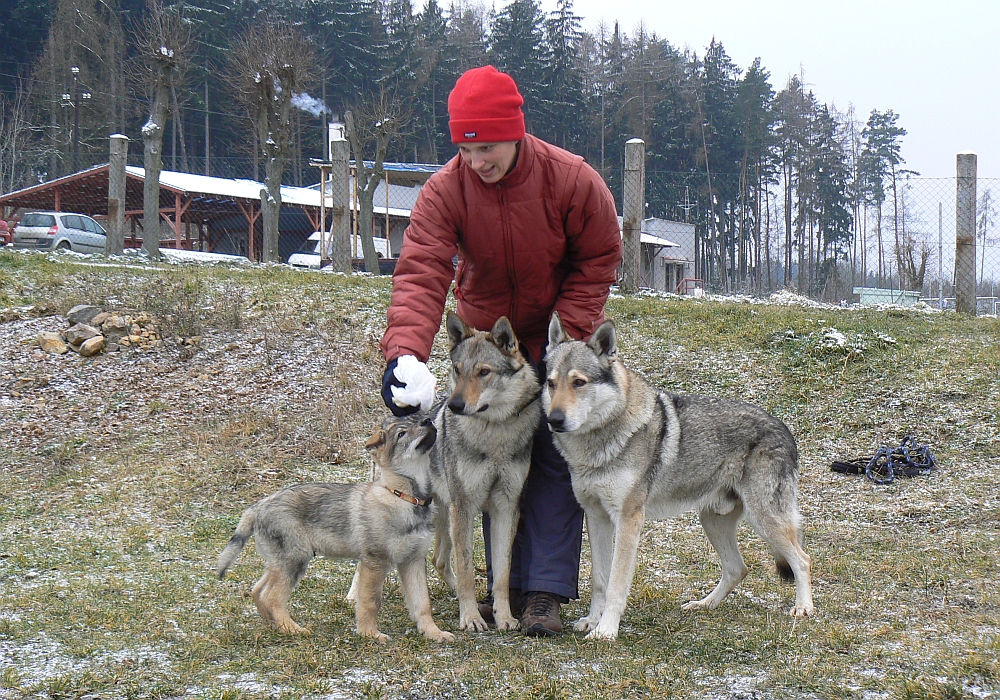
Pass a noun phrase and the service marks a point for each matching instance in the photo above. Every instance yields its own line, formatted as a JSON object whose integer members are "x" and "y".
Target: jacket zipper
{"x": 508, "y": 238}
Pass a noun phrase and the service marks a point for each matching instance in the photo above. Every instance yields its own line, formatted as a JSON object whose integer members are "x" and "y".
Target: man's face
{"x": 490, "y": 161}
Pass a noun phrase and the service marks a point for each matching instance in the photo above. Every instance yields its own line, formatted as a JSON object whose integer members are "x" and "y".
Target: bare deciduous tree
{"x": 80, "y": 107}
{"x": 16, "y": 132}
{"x": 271, "y": 63}
{"x": 163, "y": 41}
{"x": 371, "y": 124}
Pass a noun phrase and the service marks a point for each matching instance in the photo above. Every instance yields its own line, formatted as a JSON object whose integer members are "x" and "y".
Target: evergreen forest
{"x": 785, "y": 191}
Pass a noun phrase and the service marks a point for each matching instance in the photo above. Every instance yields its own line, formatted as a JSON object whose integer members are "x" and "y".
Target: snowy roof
{"x": 650, "y": 238}
{"x": 408, "y": 167}
{"x": 227, "y": 188}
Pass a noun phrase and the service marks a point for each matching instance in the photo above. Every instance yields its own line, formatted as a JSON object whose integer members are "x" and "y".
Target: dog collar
{"x": 408, "y": 498}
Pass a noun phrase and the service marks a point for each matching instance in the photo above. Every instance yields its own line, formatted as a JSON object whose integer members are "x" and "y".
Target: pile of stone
{"x": 92, "y": 329}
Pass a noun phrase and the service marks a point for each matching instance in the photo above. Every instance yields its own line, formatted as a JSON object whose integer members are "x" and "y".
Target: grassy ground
{"x": 123, "y": 476}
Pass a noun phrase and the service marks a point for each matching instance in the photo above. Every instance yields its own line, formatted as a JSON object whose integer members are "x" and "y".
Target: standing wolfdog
{"x": 384, "y": 523}
{"x": 636, "y": 453}
{"x": 486, "y": 428}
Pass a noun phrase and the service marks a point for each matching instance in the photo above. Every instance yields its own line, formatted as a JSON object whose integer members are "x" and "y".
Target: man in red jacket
{"x": 535, "y": 230}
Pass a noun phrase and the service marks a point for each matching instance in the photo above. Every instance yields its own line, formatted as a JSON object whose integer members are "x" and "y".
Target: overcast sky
{"x": 936, "y": 63}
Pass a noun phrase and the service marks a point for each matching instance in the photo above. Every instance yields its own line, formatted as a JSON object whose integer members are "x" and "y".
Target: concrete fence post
{"x": 965, "y": 234}
{"x": 633, "y": 212}
{"x": 115, "y": 242}
{"x": 340, "y": 219}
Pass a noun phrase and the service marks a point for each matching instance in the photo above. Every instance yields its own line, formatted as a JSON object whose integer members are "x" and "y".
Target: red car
{"x": 5, "y": 233}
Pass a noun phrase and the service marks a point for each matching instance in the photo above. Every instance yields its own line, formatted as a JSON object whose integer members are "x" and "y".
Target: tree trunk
{"x": 881, "y": 256}
{"x": 788, "y": 225}
{"x": 152, "y": 141}
{"x": 366, "y": 196}
{"x": 179, "y": 126}
{"x": 270, "y": 202}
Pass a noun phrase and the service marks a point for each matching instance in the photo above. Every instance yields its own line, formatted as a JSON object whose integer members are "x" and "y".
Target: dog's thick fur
{"x": 486, "y": 428}
{"x": 369, "y": 522}
{"x": 636, "y": 453}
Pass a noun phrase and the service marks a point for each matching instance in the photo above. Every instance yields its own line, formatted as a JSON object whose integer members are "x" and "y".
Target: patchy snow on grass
{"x": 42, "y": 659}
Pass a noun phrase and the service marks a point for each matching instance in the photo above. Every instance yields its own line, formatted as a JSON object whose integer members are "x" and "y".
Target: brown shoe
{"x": 486, "y": 605}
{"x": 541, "y": 615}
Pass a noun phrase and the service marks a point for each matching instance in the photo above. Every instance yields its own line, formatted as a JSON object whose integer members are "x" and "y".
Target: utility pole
{"x": 75, "y": 70}
{"x": 76, "y": 115}
{"x": 208, "y": 141}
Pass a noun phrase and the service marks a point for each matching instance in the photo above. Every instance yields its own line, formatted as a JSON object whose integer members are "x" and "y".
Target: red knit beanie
{"x": 485, "y": 106}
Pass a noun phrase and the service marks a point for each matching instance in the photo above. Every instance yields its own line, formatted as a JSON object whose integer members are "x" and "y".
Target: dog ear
{"x": 557, "y": 334}
{"x": 457, "y": 329}
{"x": 375, "y": 440}
{"x": 503, "y": 336}
{"x": 604, "y": 342}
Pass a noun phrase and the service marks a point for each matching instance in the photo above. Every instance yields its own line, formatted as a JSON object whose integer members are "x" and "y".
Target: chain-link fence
{"x": 218, "y": 213}
{"x": 726, "y": 234}
{"x": 682, "y": 232}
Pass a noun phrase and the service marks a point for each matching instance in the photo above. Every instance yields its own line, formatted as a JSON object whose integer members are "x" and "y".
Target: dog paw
{"x": 802, "y": 611}
{"x": 375, "y": 635}
{"x": 292, "y": 628}
{"x": 473, "y": 623}
{"x": 585, "y": 624}
{"x": 600, "y": 632}
{"x": 440, "y": 636}
{"x": 703, "y": 604}
{"x": 509, "y": 623}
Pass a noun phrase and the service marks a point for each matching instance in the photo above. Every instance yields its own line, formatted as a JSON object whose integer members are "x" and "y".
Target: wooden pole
{"x": 633, "y": 206}
{"x": 115, "y": 243}
{"x": 965, "y": 234}
{"x": 340, "y": 206}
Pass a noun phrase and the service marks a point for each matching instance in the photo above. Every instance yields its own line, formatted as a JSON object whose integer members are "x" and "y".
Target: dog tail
{"x": 236, "y": 543}
{"x": 783, "y": 568}
{"x": 781, "y": 564}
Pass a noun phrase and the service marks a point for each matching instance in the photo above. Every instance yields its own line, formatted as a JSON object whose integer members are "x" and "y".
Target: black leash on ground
{"x": 909, "y": 459}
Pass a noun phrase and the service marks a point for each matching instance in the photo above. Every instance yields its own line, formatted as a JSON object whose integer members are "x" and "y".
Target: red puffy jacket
{"x": 544, "y": 238}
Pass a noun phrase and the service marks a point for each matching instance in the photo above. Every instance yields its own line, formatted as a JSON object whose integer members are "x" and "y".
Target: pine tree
{"x": 467, "y": 31}
{"x": 562, "y": 99}
{"x": 755, "y": 119}
{"x": 517, "y": 48}
{"x": 879, "y": 158}
{"x": 437, "y": 70}
{"x": 717, "y": 89}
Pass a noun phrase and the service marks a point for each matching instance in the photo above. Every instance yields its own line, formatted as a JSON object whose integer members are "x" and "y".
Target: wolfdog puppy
{"x": 384, "y": 523}
{"x": 486, "y": 428}
{"x": 637, "y": 453}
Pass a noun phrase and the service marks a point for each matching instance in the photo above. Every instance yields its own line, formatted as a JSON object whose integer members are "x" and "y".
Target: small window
{"x": 73, "y": 221}
{"x": 92, "y": 226}
{"x": 38, "y": 220}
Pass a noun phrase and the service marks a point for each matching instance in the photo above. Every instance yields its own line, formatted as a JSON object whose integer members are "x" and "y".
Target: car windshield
{"x": 38, "y": 220}
{"x": 309, "y": 246}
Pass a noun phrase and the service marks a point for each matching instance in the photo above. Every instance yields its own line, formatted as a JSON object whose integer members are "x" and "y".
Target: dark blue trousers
{"x": 546, "y": 553}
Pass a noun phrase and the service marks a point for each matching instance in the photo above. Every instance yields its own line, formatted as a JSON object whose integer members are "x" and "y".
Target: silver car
{"x": 47, "y": 230}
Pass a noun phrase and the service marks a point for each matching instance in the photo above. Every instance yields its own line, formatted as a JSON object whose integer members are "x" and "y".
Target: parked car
{"x": 5, "y": 234}
{"x": 48, "y": 230}
{"x": 308, "y": 254}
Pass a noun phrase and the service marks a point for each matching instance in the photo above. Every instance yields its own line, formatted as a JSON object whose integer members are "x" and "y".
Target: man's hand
{"x": 407, "y": 386}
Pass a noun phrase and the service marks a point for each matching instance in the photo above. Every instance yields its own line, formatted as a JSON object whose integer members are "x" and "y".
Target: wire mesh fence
{"x": 731, "y": 237}
{"x": 220, "y": 212}
{"x": 688, "y": 232}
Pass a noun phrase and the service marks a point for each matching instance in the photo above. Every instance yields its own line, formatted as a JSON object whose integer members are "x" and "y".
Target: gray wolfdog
{"x": 486, "y": 427}
{"x": 384, "y": 523}
{"x": 637, "y": 453}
